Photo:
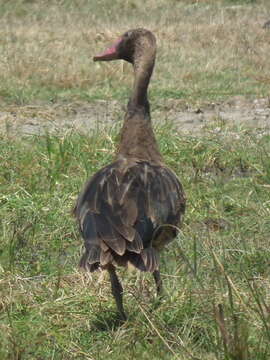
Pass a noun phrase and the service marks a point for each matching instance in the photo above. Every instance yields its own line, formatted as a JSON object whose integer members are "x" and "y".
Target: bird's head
{"x": 130, "y": 46}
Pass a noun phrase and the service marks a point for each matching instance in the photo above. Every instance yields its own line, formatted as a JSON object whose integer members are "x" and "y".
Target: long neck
{"x": 143, "y": 69}
{"x": 137, "y": 137}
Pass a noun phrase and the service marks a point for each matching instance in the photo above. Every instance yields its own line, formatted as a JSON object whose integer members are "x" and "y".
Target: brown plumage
{"x": 130, "y": 209}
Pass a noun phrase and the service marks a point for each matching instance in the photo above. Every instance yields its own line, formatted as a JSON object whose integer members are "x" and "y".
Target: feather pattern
{"x": 130, "y": 209}
{"x": 123, "y": 210}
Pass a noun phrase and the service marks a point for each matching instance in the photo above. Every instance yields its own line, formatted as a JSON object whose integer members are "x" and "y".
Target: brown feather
{"x": 150, "y": 191}
{"x": 150, "y": 259}
{"x": 111, "y": 238}
{"x": 136, "y": 245}
{"x": 103, "y": 246}
{"x": 93, "y": 255}
{"x": 105, "y": 258}
{"x": 130, "y": 211}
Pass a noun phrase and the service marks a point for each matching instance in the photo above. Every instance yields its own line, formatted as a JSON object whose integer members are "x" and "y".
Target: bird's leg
{"x": 158, "y": 282}
{"x": 117, "y": 291}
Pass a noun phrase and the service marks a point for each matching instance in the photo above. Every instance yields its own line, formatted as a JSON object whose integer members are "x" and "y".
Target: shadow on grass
{"x": 107, "y": 321}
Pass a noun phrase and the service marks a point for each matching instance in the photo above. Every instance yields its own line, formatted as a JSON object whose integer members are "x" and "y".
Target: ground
{"x": 38, "y": 120}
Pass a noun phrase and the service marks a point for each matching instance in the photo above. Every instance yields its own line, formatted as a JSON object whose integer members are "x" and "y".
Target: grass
{"x": 216, "y": 272}
{"x": 206, "y": 49}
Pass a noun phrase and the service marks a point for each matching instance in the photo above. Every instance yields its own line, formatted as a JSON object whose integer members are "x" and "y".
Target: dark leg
{"x": 117, "y": 291}
{"x": 158, "y": 281}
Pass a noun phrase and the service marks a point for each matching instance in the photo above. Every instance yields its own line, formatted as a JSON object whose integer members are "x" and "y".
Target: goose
{"x": 130, "y": 209}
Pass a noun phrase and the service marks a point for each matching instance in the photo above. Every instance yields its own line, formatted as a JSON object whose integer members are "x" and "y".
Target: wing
{"x": 124, "y": 212}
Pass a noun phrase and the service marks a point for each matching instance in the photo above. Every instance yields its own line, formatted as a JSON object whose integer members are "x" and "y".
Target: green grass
{"x": 216, "y": 272}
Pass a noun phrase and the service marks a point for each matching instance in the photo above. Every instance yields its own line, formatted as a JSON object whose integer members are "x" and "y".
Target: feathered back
{"x": 123, "y": 212}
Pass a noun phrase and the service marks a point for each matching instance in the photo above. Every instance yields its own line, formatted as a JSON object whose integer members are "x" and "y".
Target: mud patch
{"x": 39, "y": 120}
{"x": 237, "y": 111}
{"x": 83, "y": 117}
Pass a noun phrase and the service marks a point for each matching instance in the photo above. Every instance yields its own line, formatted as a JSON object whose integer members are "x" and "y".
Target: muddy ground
{"x": 83, "y": 117}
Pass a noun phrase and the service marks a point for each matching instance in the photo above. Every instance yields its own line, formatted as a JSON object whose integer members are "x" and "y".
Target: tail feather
{"x": 136, "y": 261}
{"x": 136, "y": 245}
{"x": 94, "y": 254}
{"x": 84, "y": 263}
{"x": 105, "y": 257}
{"x": 150, "y": 259}
{"x": 147, "y": 260}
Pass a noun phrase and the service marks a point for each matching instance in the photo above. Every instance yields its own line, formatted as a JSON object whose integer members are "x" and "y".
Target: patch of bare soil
{"x": 82, "y": 117}
{"x": 237, "y": 111}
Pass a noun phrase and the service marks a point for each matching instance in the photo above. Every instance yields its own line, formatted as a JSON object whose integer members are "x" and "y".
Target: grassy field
{"x": 207, "y": 49}
{"x": 217, "y": 271}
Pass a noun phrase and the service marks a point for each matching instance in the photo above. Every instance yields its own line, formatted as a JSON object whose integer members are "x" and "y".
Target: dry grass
{"x": 206, "y": 48}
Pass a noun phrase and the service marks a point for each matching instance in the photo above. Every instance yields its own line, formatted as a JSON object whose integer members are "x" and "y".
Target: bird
{"x": 130, "y": 209}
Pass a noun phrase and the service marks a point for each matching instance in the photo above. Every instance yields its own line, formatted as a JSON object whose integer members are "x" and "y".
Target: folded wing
{"x": 126, "y": 211}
